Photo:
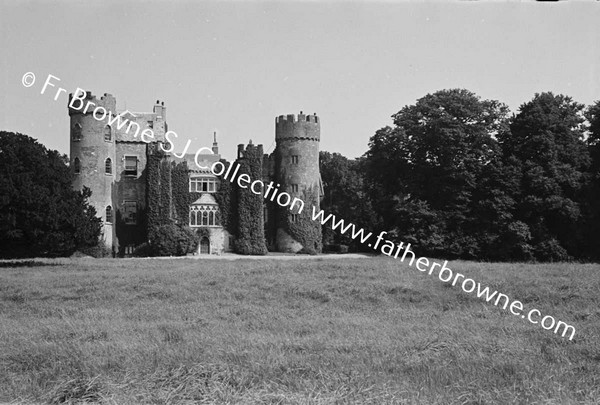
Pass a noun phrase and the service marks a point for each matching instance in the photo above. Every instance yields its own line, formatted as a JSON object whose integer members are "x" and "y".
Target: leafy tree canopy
{"x": 428, "y": 170}
{"x": 345, "y": 196}
{"x": 547, "y": 139}
{"x": 40, "y": 213}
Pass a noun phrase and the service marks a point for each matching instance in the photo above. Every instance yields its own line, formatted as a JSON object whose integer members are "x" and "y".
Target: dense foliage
{"x": 546, "y": 141}
{"x": 306, "y": 231}
{"x": 173, "y": 240}
{"x": 155, "y": 217}
{"x": 226, "y": 197}
{"x": 457, "y": 177}
{"x": 180, "y": 192}
{"x": 345, "y": 197}
{"x": 40, "y": 213}
{"x": 167, "y": 214}
{"x": 591, "y": 205}
{"x": 251, "y": 234}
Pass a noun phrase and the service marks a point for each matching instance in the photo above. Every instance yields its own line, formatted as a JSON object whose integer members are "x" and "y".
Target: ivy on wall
{"x": 251, "y": 234}
{"x": 165, "y": 192}
{"x": 202, "y": 233}
{"x": 226, "y": 197}
{"x": 306, "y": 231}
{"x": 167, "y": 206}
{"x": 180, "y": 192}
{"x": 153, "y": 182}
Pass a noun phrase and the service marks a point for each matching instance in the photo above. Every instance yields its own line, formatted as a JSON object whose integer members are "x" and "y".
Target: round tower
{"x": 92, "y": 155}
{"x": 297, "y": 171}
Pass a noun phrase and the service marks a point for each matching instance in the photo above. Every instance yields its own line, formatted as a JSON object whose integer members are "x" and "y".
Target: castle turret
{"x": 92, "y": 155}
{"x": 297, "y": 170}
{"x": 160, "y": 110}
{"x": 215, "y": 145}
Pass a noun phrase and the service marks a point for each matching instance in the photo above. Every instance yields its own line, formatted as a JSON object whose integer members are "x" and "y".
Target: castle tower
{"x": 297, "y": 171}
{"x": 93, "y": 157}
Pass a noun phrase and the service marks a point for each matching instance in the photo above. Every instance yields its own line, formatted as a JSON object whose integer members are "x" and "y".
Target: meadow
{"x": 313, "y": 331}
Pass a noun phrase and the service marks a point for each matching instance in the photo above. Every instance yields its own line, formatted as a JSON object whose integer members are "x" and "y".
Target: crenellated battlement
{"x": 107, "y": 101}
{"x": 299, "y": 127}
{"x": 292, "y": 118}
{"x": 249, "y": 150}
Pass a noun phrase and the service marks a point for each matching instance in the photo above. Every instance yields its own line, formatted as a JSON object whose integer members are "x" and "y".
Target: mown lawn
{"x": 314, "y": 331}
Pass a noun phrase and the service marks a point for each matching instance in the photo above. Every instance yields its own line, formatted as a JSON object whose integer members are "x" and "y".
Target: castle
{"x": 132, "y": 182}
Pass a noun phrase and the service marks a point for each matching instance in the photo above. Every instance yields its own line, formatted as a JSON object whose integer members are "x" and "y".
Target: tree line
{"x": 461, "y": 177}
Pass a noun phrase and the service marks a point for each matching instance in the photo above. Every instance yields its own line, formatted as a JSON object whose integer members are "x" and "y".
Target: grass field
{"x": 313, "y": 331}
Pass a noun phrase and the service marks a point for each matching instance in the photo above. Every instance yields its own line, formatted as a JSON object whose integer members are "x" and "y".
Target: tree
{"x": 547, "y": 138}
{"x": 426, "y": 174}
{"x": 345, "y": 197}
{"x": 591, "y": 206}
{"x": 40, "y": 213}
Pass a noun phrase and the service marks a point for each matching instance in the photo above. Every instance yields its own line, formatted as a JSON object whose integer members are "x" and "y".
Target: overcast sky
{"x": 235, "y": 66}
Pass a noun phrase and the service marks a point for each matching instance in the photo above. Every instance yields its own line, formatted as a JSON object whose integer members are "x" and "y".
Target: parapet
{"x": 299, "y": 127}
{"x": 291, "y": 118}
{"x": 250, "y": 150}
{"x": 107, "y": 101}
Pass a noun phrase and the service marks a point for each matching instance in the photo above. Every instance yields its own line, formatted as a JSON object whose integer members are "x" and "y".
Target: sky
{"x": 234, "y": 66}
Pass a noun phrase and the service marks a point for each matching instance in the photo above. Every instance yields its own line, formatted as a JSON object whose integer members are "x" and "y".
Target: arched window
{"x": 76, "y": 166}
{"x": 107, "y": 133}
{"x": 108, "y": 166}
{"x": 203, "y": 215}
{"x": 109, "y": 214}
{"x": 77, "y": 132}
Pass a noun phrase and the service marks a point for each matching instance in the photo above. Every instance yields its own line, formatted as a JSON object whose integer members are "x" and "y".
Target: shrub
{"x": 173, "y": 240}
{"x": 143, "y": 250}
{"x": 551, "y": 251}
{"x": 192, "y": 239}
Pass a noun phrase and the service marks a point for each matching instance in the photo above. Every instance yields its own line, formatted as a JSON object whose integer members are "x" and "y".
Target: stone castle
{"x": 113, "y": 163}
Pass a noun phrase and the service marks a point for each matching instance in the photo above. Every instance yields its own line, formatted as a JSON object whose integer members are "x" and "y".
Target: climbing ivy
{"x": 153, "y": 182}
{"x": 306, "y": 231}
{"x": 226, "y": 197}
{"x": 167, "y": 206}
{"x": 180, "y": 191}
{"x": 202, "y": 233}
{"x": 251, "y": 234}
{"x": 165, "y": 194}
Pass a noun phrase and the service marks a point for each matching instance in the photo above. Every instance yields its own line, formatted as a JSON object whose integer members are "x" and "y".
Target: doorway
{"x": 204, "y": 246}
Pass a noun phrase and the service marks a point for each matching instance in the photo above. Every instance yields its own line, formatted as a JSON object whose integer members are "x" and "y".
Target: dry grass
{"x": 367, "y": 331}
